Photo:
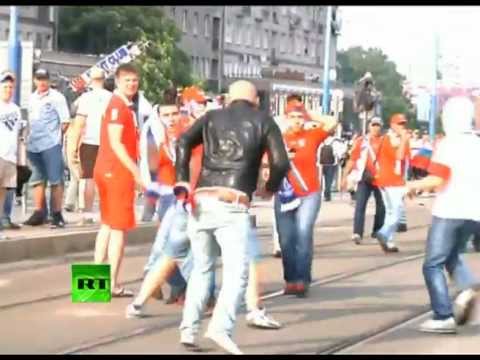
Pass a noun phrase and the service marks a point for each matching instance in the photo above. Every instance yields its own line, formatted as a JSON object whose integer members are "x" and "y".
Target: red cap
{"x": 193, "y": 93}
{"x": 398, "y": 119}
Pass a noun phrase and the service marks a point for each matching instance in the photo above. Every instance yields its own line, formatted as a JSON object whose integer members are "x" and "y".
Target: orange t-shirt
{"x": 305, "y": 143}
{"x": 117, "y": 112}
{"x": 375, "y": 143}
{"x": 391, "y": 172}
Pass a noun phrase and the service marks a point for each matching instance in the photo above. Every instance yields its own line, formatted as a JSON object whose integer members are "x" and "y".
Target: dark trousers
{"x": 364, "y": 190}
{"x": 328, "y": 173}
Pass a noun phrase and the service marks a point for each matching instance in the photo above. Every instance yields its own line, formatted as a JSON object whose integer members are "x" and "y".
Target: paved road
{"x": 358, "y": 292}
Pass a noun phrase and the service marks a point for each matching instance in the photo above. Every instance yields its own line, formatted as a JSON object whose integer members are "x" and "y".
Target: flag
{"x": 422, "y": 159}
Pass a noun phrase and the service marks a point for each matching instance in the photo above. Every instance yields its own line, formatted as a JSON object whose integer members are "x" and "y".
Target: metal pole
{"x": 15, "y": 52}
{"x": 433, "y": 105}
{"x": 326, "y": 62}
{"x": 221, "y": 50}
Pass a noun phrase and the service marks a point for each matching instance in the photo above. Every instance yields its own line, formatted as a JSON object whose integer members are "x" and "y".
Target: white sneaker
{"x": 134, "y": 311}
{"x": 357, "y": 239}
{"x": 464, "y": 305}
{"x": 447, "y": 326}
{"x": 3, "y": 236}
{"x": 225, "y": 342}
{"x": 188, "y": 341}
{"x": 258, "y": 318}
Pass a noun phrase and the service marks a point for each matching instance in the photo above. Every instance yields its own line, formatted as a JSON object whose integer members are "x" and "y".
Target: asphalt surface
{"x": 361, "y": 301}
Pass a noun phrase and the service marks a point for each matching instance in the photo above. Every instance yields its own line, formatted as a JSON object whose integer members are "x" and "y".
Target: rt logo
{"x": 91, "y": 283}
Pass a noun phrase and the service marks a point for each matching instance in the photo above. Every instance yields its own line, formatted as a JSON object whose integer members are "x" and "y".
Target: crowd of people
{"x": 199, "y": 162}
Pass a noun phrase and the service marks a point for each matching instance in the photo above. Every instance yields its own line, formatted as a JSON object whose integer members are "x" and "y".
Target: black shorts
{"x": 88, "y": 156}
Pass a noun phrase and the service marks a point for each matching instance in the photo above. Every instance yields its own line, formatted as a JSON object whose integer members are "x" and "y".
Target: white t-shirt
{"x": 92, "y": 105}
{"x": 456, "y": 160}
{"x": 10, "y": 125}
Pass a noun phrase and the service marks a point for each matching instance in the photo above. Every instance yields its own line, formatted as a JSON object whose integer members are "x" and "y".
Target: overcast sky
{"x": 405, "y": 34}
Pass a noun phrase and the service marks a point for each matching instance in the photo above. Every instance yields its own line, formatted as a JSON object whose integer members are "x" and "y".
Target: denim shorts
{"x": 46, "y": 166}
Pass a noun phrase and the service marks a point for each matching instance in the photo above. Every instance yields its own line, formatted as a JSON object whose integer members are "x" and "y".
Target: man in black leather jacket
{"x": 234, "y": 140}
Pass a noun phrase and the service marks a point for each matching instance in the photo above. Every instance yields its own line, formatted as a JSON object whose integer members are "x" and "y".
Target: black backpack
{"x": 327, "y": 157}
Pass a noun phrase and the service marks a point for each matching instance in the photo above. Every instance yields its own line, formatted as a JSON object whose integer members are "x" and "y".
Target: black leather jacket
{"x": 234, "y": 140}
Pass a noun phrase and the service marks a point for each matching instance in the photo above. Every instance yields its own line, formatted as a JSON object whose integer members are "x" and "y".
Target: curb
{"x": 77, "y": 241}
{"x": 34, "y": 248}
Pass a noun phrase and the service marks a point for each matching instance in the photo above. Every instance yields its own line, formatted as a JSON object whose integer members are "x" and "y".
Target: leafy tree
{"x": 356, "y": 61}
{"x": 102, "y": 29}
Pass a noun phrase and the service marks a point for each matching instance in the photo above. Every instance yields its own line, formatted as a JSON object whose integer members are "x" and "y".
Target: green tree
{"x": 354, "y": 62}
{"x": 102, "y": 29}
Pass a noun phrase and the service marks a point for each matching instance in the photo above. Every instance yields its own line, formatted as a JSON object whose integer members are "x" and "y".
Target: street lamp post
{"x": 15, "y": 51}
{"x": 326, "y": 62}
{"x": 433, "y": 105}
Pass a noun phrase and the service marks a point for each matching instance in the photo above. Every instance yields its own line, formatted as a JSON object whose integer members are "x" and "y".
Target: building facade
{"x": 36, "y": 23}
{"x": 281, "y": 48}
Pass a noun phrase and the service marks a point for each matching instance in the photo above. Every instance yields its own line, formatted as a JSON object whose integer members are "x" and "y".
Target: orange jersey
{"x": 391, "y": 172}
{"x": 117, "y": 112}
{"x": 375, "y": 143}
{"x": 305, "y": 145}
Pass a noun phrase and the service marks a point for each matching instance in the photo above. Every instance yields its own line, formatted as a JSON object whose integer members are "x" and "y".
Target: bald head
{"x": 242, "y": 90}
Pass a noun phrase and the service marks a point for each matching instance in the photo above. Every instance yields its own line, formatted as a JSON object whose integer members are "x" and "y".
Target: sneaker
{"x": 188, "y": 341}
{"x": 373, "y": 235}
{"x": 69, "y": 208}
{"x": 446, "y": 326}
{"x": 57, "y": 221}
{"x": 36, "y": 219}
{"x": 357, "y": 239}
{"x": 290, "y": 289}
{"x": 134, "y": 311}
{"x": 8, "y": 224}
{"x": 387, "y": 246}
{"x": 302, "y": 290}
{"x": 3, "y": 236}
{"x": 402, "y": 228}
{"x": 463, "y": 306}
{"x": 225, "y": 342}
{"x": 277, "y": 254}
{"x": 86, "y": 221}
{"x": 259, "y": 319}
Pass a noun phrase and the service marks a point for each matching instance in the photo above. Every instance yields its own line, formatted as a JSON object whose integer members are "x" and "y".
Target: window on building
{"x": 229, "y": 31}
{"x": 265, "y": 39}
{"x": 7, "y": 33}
{"x": 238, "y": 31}
{"x": 195, "y": 23}
{"x": 38, "y": 41}
{"x": 248, "y": 36}
{"x": 207, "y": 25}
{"x": 275, "y": 17}
{"x": 291, "y": 41}
{"x": 284, "y": 10}
{"x": 313, "y": 46}
{"x": 283, "y": 43}
{"x": 51, "y": 14}
{"x": 29, "y": 36}
{"x": 299, "y": 46}
{"x": 305, "y": 46}
{"x": 185, "y": 21}
{"x": 207, "y": 68}
{"x": 48, "y": 43}
{"x": 172, "y": 11}
{"x": 258, "y": 38}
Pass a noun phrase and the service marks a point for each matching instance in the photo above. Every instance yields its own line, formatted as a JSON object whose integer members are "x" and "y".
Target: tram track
{"x": 262, "y": 235}
{"x": 147, "y": 330}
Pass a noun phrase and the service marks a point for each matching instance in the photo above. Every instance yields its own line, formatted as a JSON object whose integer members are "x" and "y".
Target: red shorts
{"x": 117, "y": 200}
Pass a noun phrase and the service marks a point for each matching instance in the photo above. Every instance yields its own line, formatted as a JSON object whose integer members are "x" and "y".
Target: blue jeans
{"x": 8, "y": 204}
{"x": 328, "y": 172}
{"x": 295, "y": 231}
{"x": 446, "y": 238}
{"x": 172, "y": 241}
{"x": 364, "y": 190}
{"x": 393, "y": 201}
{"x": 216, "y": 224}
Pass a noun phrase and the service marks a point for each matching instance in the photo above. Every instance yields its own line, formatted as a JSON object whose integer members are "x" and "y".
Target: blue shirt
{"x": 46, "y": 113}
